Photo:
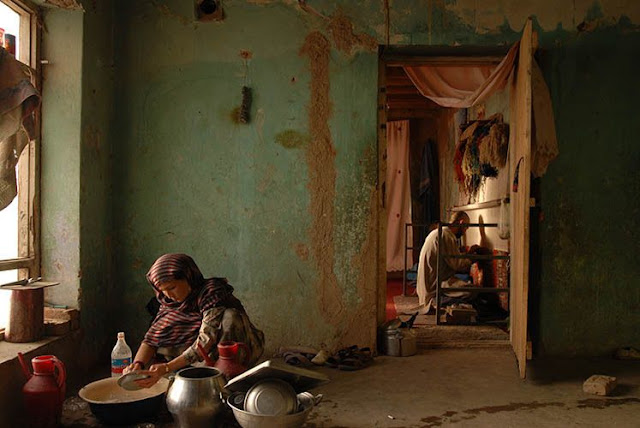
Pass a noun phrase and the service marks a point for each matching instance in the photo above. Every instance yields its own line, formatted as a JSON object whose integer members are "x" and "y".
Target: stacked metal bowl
{"x": 265, "y": 395}
{"x": 272, "y": 403}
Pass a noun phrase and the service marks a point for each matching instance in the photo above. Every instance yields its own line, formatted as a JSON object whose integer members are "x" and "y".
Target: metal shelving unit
{"x": 442, "y": 257}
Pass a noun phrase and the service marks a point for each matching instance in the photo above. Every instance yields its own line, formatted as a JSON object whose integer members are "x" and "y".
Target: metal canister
{"x": 409, "y": 343}
{"x": 391, "y": 342}
{"x": 10, "y": 43}
{"x": 400, "y": 342}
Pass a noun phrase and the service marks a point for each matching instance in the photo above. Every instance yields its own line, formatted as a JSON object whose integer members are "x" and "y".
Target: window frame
{"x": 28, "y": 261}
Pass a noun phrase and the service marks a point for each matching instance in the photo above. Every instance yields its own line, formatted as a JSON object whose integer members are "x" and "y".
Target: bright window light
{"x": 10, "y": 22}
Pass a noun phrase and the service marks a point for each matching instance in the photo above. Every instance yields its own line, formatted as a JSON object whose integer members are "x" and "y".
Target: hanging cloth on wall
{"x": 427, "y": 190}
{"x": 544, "y": 144}
{"x": 463, "y": 86}
{"x": 18, "y": 101}
{"x": 398, "y": 194}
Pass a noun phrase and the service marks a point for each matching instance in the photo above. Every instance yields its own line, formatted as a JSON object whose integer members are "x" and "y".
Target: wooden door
{"x": 520, "y": 168}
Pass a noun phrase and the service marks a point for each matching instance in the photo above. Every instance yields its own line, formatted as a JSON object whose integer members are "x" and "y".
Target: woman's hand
{"x": 155, "y": 372}
{"x": 136, "y": 365}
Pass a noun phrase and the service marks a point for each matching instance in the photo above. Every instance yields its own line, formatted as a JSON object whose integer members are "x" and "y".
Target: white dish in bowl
{"x": 128, "y": 381}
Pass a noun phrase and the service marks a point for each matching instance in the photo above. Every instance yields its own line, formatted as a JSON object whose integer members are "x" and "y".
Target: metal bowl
{"x": 273, "y": 397}
{"x": 252, "y": 420}
{"x": 113, "y": 405}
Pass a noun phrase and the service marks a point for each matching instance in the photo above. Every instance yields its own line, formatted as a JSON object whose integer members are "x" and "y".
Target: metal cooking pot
{"x": 113, "y": 405}
{"x": 194, "y": 397}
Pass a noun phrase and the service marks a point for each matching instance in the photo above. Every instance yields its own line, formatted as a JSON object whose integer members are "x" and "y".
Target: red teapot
{"x": 44, "y": 391}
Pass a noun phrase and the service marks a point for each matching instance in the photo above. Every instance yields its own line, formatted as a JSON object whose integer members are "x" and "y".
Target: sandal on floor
{"x": 350, "y": 358}
{"x": 351, "y": 364}
{"x": 332, "y": 362}
{"x": 347, "y": 352}
{"x": 297, "y": 359}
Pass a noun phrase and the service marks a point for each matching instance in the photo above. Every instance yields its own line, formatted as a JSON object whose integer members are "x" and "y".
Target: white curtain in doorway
{"x": 463, "y": 86}
{"x": 398, "y": 194}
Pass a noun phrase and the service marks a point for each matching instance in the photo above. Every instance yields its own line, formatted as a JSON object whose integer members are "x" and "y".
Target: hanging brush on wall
{"x": 245, "y": 107}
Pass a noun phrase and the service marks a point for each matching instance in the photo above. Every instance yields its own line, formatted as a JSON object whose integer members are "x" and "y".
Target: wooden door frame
{"x": 414, "y": 55}
{"x": 520, "y": 171}
{"x": 519, "y": 273}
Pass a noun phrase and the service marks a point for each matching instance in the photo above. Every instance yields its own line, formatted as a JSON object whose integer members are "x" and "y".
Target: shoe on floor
{"x": 627, "y": 353}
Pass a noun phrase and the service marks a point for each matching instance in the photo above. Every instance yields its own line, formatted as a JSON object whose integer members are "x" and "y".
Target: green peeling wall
{"x": 589, "y": 289}
{"x": 78, "y": 91}
{"x": 280, "y": 206}
{"x": 285, "y": 206}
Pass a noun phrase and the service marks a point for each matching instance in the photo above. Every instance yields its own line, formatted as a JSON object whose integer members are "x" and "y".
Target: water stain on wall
{"x": 302, "y": 251}
{"x": 361, "y": 262}
{"x": 166, "y": 11}
{"x": 291, "y": 139}
{"x": 320, "y": 155}
{"x": 65, "y": 4}
{"x": 341, "y": 30}
{"x": 235, "y": 115}
{"x": 495, "y": 13}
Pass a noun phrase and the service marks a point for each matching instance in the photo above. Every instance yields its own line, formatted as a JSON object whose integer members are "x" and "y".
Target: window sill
{"x": 9, "y": 351}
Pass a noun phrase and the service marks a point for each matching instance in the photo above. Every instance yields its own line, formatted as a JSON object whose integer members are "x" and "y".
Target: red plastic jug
{"x": 229, "y": 362}
{"x": 44, "y": 391}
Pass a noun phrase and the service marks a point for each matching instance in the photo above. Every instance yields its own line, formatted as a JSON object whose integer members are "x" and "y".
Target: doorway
{"x": 412, "y": 184}
{"x": 445, "y": 156}
{"x": 422, "y": 143}
{"x": 478, "y": 194}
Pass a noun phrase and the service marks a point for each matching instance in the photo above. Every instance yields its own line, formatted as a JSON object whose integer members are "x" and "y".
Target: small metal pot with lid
{"x": 398, "y": 340}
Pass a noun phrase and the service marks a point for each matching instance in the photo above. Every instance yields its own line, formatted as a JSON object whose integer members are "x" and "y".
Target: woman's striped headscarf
{"x": 178, "y": 323}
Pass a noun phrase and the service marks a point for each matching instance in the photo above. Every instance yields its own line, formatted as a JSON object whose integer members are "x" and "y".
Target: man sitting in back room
{"x": 428, "y": 262}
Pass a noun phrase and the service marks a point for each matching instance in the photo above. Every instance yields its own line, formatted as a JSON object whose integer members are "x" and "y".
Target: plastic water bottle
{"x": 120, "y": 356}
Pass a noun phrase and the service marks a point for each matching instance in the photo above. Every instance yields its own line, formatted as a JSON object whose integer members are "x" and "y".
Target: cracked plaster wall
{"x": 297, "y": 239}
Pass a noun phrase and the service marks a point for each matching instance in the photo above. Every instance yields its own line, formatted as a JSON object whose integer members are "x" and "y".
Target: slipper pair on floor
{"x": 350, "y": 358}
{"x": 301, "y": 359}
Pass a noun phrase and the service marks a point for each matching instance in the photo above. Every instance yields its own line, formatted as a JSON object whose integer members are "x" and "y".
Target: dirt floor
{"x": 459, "y": 387}
{"x": 478, "y": 388}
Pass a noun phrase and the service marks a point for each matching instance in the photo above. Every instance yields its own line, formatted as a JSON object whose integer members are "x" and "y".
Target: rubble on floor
{"x": 599, "y": 385}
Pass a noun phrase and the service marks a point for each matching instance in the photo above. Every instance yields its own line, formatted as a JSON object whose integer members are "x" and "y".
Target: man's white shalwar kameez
{"x": 428, "y": 263}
